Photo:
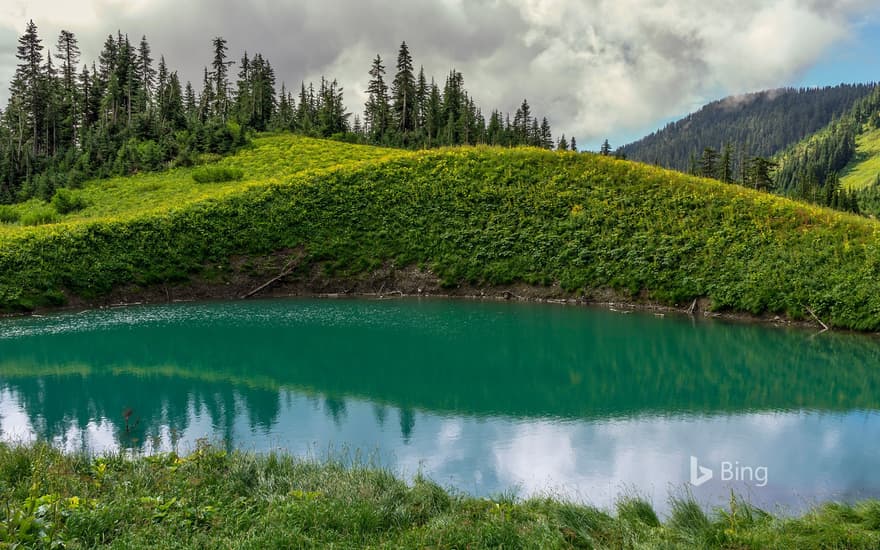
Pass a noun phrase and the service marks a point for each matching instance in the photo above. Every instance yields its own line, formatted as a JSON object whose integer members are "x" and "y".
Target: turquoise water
{"x": 483, "y": 397}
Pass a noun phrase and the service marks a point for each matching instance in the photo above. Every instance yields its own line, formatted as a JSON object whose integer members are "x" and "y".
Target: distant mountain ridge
{"x": 760, "y": 124}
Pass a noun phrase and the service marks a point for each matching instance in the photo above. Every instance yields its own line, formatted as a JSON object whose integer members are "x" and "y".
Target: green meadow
{"x": 480, "y": 216}
{"x": 864, "y": 169}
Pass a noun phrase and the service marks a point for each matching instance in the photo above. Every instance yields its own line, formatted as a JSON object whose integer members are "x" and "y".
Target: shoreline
{"x": 235, "y": 281}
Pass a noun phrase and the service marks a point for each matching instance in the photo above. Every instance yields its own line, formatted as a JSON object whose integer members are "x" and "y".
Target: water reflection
{"x": 484, "y": 397}
{"x": 810, "y": 455}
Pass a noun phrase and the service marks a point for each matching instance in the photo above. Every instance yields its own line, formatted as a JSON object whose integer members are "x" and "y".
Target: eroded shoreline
{"x": 243, "y": 275}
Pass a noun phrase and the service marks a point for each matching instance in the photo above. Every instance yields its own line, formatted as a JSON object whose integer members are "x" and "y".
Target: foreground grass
{"x": 478, "y": 216}
{"x": 211, "y": 499}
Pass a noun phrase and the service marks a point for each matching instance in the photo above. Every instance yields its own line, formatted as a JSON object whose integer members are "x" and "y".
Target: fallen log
{"x": 288, "y": 269}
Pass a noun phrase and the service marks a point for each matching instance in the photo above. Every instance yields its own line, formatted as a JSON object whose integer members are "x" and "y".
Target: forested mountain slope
{"x": 756, "y": 125}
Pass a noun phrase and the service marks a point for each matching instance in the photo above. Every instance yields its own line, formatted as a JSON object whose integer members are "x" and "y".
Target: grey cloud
{"x": 598, "y": 67}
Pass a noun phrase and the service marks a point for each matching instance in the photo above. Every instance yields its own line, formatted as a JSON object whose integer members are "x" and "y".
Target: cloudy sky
{"x": 597, "y": 68}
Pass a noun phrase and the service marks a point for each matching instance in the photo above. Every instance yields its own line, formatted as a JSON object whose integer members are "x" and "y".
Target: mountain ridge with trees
{"x": 760, "y": 124}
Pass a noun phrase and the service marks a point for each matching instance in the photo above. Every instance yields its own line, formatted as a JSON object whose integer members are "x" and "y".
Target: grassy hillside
{"x": 472, "y": 215}
{"x": 864, "y": 169}
{"x": 167, "y": 501}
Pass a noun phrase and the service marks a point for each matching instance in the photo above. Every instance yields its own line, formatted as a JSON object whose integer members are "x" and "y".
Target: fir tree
{"x": 403, "y": 93}
{"x": 377, "y": 114}
{"x": 146, "y": 72}
{"x": 709, "y": 163}
{"x": 220, "y": 71}
{"x": 725, "y": 169}
{"x": 27, "y": 90}
{"x": 546, "y": 135}
{"x": 563, "y": 144}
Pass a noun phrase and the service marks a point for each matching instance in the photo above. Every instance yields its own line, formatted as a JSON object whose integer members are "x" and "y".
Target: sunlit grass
{"x": 864, "y": 169}
{"x": 271, "y": 159}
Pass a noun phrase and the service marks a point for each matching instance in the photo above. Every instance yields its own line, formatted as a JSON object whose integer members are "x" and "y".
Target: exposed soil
{"x": 241, "y": 275}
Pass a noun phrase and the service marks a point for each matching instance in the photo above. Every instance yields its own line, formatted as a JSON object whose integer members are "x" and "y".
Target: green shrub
{"x": 217, "y": 174}
{"x": 8, "y": 214}
{"x": 66, "y": 201}
{"x": 39, "y": 215}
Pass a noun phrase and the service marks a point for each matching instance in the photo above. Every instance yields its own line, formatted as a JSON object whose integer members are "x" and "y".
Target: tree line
{"x": 762, "y": 124}
{"x": 808, "y": 170}
{"x": 68, "y": 121}
{"x": 812, "y": 169}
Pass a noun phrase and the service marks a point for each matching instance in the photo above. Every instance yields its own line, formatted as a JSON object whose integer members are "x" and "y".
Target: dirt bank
{"x": 242, "y": 275}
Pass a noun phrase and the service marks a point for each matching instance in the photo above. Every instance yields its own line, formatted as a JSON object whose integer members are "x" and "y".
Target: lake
{"x": 484, "y": 397}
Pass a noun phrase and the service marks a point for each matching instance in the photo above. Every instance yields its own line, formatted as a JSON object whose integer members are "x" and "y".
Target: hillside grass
{"x": 864, "y": 169}
{"x": 214, "y": 499}
{"x": 270, "y": 159}
{"x": 481, "y": 216}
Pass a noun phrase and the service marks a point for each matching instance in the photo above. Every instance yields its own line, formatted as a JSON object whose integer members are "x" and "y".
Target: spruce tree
{"x": 709, "y": 163}
{"x": 546, "y": 135}
{"x": 434, "y": 115}
{"x": 283, "y": 119}
{"x": 68, "y": 52}
{"x": 403, "y": 94}
{"x": 206, "y": 98}
{"x": 220, "y": 71}
{"x": 421, "y": 100}
{"x": 174, "y": 107}
{"x": 244, "y": 93}
{"x": 453, "y": 106}
{"x": 377, "y": 113}
{"x": 27, "y": 89}
{"x": 146, "y": 73}
{"x": 305, "y": 115}
{"x": 535, "y": 133}
{"x": 563, "y": 144}
{"x": 189, "y": 101}
{"x": 725, "y": 169}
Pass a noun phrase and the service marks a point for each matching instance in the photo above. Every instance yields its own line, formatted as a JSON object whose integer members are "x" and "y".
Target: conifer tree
{"x": 403, "y": 94}
{"x": 709, "y": 163}
{"x": 725, "y": 169}
{"x": 377, "y": 114}
{"x": 27, "y": 90}
{"x": 146, "y": 73}
{"x": 174, "y": 108}
{"x": 206, "y": 98}
{"x": 546, "y": 136}
{"x": 189, "y": 101}
{"x": 220, "y": 71}
{"x": 305, "y": 115}
{"x": 421, "y": 100}
{"x": 563, "y": 144}
{"x": 68, "y": 52}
